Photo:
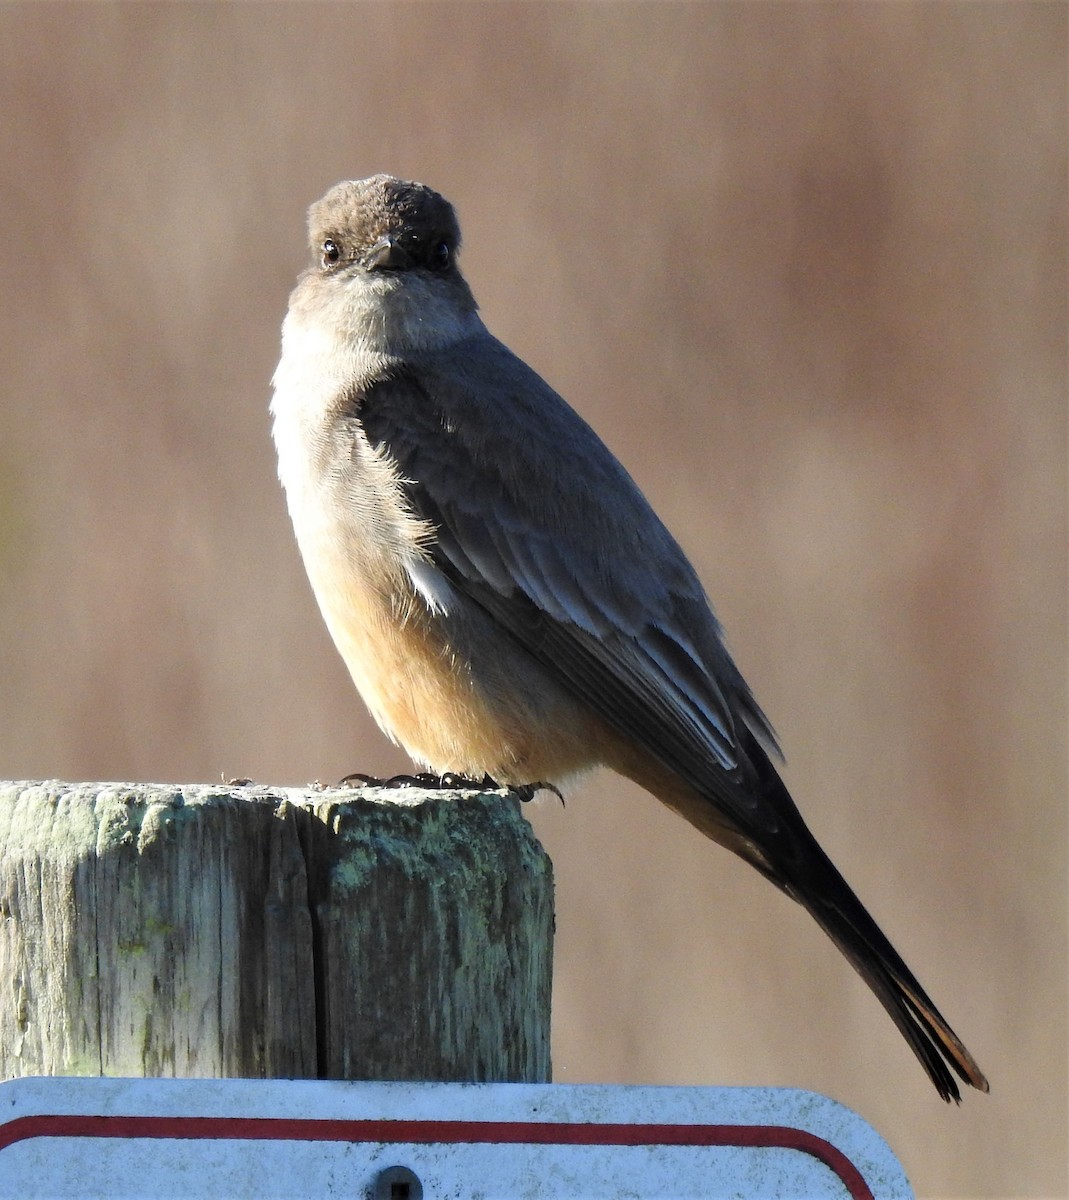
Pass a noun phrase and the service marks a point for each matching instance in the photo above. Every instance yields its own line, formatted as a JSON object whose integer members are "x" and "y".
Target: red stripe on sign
{"x": 536, "y": 1133}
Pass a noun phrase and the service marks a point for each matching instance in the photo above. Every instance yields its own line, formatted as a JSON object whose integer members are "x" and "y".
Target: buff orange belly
{"x": 420, "y": 686}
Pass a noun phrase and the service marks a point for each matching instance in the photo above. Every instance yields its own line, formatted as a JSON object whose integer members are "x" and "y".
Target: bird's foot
{"x": 449, "y": 781}
{"x": 522, "y": 791}
{"x": 357, "y": 779}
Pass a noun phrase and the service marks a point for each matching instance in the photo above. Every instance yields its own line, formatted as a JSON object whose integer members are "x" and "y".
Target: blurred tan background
{"x": 803, "y": 266}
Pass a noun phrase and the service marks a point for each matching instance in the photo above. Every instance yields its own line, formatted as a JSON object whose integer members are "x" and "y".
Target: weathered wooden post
{"x": 266, "y": 932}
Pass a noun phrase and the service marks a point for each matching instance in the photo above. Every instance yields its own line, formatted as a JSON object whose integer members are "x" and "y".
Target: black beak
{"x": 387, "y": 254}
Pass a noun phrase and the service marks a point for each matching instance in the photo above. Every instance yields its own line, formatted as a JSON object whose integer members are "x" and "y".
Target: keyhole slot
{"x": 397, "y": 1183}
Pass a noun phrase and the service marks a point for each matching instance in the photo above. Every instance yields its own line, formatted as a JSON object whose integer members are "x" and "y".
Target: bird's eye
{"x": 441, "y": 256}
{"x": 331, "y": 253}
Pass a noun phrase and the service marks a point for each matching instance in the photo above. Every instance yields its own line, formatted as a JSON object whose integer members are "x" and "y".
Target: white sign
{"x": 221, "y": 1139}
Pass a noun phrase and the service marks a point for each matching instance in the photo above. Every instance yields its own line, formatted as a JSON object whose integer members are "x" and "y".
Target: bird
{"x": 508, "y": 603}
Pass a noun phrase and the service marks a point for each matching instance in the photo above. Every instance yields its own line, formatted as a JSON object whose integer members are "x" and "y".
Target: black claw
{"x": 525, "y": 792}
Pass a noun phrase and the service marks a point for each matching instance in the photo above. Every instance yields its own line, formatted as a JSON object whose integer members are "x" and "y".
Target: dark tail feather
{"x": 827, "y": 896}
{"x": 804, "y": 872}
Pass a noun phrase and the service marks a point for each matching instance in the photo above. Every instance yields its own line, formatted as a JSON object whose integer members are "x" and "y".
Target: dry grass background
{"x": 803, "y": 266}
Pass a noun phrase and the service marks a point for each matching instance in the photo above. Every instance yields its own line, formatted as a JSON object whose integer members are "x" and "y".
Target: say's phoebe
{"x": 506, "y": 600}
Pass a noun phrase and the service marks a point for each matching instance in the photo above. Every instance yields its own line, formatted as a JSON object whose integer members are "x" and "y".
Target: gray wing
{"x": 540, "y": 525}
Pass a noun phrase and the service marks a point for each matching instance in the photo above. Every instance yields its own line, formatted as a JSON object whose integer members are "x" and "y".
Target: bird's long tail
{"x": 843, "y": 918}
{"x": 809, "y": 876}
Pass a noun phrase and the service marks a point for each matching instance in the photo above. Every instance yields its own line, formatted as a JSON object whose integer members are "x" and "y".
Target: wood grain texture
{"x": 153, "y": 930}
